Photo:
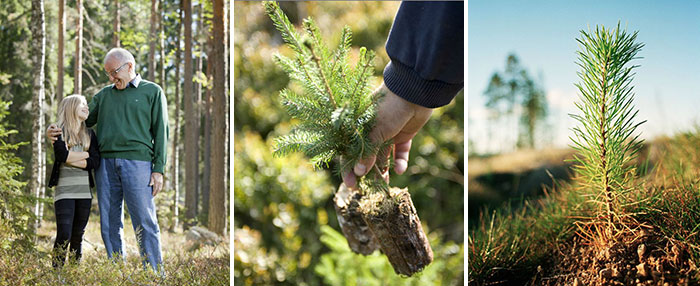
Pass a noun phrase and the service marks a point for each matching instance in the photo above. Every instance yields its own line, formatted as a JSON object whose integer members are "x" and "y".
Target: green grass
{"x": 510, "y": 243}
{"x": 183, "y": 265}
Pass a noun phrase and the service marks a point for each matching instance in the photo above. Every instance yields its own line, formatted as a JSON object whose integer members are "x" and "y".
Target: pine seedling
{"x": 605, "y": 139}
{"x": 337, "y": 108}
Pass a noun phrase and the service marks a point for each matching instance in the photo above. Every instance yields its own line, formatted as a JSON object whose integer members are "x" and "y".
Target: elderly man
{"x": 132, "y": 130}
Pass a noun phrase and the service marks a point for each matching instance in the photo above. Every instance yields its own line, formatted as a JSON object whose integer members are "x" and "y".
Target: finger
{"x": 156, "y": 189}
{"x": 401, "y": 156}
{"x": 389, "y": 122}
{"x": 364, "y": 165}
{"x": 383, "y": 159}
{"x": 350, "y": 180}
{"x": 151, "y": 183}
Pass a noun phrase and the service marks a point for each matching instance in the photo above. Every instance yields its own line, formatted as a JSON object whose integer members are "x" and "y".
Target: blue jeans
{"x": 120, "y": 180}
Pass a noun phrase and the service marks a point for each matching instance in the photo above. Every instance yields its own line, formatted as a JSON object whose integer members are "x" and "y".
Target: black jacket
{"x": 60, "y": 154}
{"x": 426, "y": 48}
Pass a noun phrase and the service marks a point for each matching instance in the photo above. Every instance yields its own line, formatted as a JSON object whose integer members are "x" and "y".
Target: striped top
{"x": 73, "y": 183}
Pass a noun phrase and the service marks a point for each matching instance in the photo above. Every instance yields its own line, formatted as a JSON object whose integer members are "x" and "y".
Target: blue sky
{"x": 542, "y": 34}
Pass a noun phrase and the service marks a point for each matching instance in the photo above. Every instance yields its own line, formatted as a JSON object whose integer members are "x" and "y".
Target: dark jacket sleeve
{"x": 60, "y": 154}
{"x": 93, "y": 162}
{"x": 426, "y": 48}
{"x": 60, "y": 151}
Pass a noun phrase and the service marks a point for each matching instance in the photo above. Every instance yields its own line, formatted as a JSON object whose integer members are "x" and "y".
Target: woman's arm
{"x": 78, "y": 164}
{"x": 76, "y": 156}
{"x": 60, "y": 151}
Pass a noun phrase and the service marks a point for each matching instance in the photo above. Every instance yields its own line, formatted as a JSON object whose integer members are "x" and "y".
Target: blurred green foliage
{"x": 283, "y": 208}
{"x": 14, "y": 215}
{"x": 283, "y": 200}
{"x": 341, "y": 266}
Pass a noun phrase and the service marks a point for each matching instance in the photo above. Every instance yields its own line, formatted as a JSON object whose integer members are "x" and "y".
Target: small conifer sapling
{"x": 337, "y": 111}
{"x": 604, "y": 139}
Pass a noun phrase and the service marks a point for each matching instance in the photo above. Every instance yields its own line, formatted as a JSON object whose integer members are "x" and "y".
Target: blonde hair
{"x": 74, "y": 130}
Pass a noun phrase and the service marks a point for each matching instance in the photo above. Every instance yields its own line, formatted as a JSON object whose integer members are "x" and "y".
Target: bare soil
{"x": 634, "y": 257}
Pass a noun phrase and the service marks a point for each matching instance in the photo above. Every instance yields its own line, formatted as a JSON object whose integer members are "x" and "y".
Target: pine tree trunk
{"x": 359, "y": 236}
{"x": 78, "y": 74}
{"x": 217, "y": 203}
{"x": 190, "y": 127}
{"x": 206, "y": 173}
{"x": 116, "y": 27}
{"x": 61, "y": 53}
{"x": 227, "y": 76}
{"x": 198, "y": 100}
{"x": 36, "y": 183}
{"x": 161, "y": 45}
{"x": 152, "y": 42}
{"x": 398, "y": 230}
{"x": 175, "y": 171}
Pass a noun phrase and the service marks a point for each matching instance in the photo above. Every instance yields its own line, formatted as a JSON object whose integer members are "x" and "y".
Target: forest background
{"x": 51, "y": 49}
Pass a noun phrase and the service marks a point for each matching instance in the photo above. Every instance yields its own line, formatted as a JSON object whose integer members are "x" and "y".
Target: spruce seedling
{"x": 337, "y": 109}
{"x": 605, "y": 139}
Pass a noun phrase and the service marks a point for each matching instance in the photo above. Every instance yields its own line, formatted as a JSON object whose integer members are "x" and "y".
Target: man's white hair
{"x": 121, "y": 55}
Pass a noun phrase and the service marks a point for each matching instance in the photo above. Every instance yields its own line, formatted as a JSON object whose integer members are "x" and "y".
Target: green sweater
{"x": 131, "y": 123}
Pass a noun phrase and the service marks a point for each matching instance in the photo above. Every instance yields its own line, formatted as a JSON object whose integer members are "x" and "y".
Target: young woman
{"x": 75, "y": 155}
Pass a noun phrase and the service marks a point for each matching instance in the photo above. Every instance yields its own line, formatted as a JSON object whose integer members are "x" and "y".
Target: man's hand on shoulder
{"x": 53, "y": 132}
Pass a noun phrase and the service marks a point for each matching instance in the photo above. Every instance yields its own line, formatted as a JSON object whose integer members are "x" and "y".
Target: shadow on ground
{"x": 500, "y": 179}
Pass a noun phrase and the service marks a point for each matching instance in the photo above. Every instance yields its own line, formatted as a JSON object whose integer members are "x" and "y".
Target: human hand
{"x": 156, "y": 182}
{"x": 397, "y": 119}
{"x": 53, "y": 132}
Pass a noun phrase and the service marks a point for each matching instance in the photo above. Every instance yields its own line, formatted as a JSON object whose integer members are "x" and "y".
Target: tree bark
{"x": 227, "y": 67}
{"x": 398, "y": 230}
{"x": 217, "y": 203}
{"x": 36, "y": 183}
{"x": 161, "y": 45}
{"x": 206, "y": 173}
{"x": 61, "y": 53}
{"x": 198, "y": 99}
{"x": 78, "y": 75}
{"x": 152, "y": 42}
{"x": 116, "y": 27}
{"x": 175, "y": 171}
{"x": 190, "y": 128}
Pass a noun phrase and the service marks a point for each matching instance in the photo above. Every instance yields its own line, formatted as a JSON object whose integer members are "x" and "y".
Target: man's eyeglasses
{"x": 116, "y": 71}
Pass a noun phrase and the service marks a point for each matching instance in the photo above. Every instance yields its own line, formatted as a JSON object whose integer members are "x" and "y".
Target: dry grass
{"x": 183, "y": 265}
{"x": 553, "y": 239}
{"x": 518, "y": 162}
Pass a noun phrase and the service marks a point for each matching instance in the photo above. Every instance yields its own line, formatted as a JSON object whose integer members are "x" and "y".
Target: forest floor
{"x": 184, "y": 263}
{"x": 547, "y": 233}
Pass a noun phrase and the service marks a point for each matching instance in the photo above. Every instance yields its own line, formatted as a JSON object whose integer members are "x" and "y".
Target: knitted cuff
{"x": 406, "y": 83}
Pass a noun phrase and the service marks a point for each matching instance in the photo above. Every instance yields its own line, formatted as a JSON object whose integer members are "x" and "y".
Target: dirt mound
{"x": 633, "y": 257}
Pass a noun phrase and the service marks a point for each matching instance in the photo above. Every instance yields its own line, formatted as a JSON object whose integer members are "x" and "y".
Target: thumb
{"x": 151, "y": 182}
